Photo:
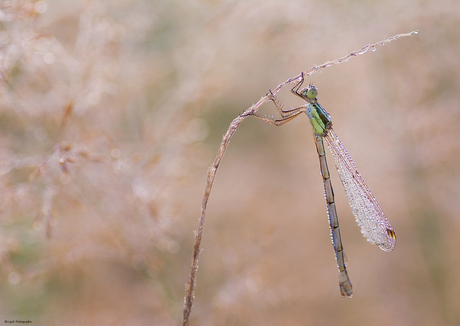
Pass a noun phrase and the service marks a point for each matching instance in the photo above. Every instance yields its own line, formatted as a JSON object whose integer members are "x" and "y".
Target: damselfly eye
{"x": 312, "y": 92}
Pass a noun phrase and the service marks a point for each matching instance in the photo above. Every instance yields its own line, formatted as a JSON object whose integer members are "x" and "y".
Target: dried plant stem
{"x": 212, "y": 170}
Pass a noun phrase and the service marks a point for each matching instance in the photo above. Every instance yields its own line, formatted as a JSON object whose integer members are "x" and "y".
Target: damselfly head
{"x": 309, "y": 92}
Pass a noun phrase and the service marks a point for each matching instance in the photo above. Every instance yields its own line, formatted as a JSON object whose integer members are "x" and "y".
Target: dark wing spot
{"x": 391, "y": 233}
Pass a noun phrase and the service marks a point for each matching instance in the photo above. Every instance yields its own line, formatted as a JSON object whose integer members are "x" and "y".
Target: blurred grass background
{"x": 111, "y": 112}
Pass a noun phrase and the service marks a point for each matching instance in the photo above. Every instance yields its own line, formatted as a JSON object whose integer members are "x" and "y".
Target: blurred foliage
{"x": 111, "y": 111}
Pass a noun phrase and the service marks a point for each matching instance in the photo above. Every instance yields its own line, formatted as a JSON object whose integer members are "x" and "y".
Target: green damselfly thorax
{"x": 368, "y": 214}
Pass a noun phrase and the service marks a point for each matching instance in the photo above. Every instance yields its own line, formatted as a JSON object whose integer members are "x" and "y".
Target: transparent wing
{"x": 368, "y": 214}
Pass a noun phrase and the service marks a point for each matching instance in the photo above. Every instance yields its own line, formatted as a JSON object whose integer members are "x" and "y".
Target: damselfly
{"x": 368, "y": 214}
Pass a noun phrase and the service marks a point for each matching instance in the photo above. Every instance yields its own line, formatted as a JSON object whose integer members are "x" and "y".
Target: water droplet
{"x": 49, "y": 58}
{"x": 373, "y": 49}
{"x": 115, "y": 153}
{"x": 40, "y": 7}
